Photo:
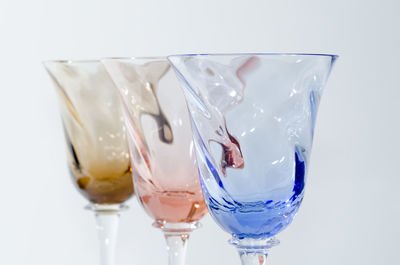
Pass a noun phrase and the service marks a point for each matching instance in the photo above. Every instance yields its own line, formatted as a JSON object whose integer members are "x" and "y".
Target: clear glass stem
{"x": 107, "y": 221}
{"x": 253, "y": 251}
{"x": 176, "y": 236}
{"x": 253, "y": 258}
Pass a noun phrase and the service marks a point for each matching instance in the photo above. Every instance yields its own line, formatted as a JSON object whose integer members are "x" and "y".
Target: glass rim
{"x": 70, "y": 61}
{"x": 105, "y": 58}
{"x": 135, "y": 58}
{"x": 334, "y": 56}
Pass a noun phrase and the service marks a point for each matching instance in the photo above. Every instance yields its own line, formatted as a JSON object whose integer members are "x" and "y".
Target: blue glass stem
{"x": 250, "y": 258}
{"x": 253, "y": 251}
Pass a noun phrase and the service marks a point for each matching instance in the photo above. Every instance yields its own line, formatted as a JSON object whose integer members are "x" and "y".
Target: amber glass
{"x": 162, "y": 150}
{"x": 97, "y": 150}
{"x": 95, "y": 137}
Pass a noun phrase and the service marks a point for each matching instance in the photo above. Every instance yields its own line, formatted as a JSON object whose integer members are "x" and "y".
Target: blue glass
{"x": 253, "y": 119}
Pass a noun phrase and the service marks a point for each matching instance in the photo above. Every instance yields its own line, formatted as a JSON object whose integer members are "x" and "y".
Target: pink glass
{"x": 163, "y": 158}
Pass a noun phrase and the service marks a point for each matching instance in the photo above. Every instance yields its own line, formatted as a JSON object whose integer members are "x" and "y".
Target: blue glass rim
{"x": 333, "y": 56}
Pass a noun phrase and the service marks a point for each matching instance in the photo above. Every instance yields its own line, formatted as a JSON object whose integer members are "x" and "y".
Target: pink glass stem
{"x": 176, "y": 236}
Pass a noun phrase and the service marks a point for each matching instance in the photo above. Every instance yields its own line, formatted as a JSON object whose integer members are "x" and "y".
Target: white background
{"x": 351, "y": 211}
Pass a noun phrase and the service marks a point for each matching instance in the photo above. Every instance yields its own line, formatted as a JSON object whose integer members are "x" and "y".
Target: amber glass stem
{"x": 176, "y": 236}
{"x": 253, "y": 251}
{"x": 107, "y": 221}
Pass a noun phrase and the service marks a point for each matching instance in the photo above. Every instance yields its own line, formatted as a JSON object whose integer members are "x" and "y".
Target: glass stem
{"x": 253, "y": 251}
{"x": 107, "y": 221}
{"x": 176, "y": 236}
{"x": 176, "y": 247}
{"x": 253, "y": 258}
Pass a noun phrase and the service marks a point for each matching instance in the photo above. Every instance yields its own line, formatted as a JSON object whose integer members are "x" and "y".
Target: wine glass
{"x": 161, "y": 145}
{"x": 253, "y": 118}
{"x": 97, "y": 148}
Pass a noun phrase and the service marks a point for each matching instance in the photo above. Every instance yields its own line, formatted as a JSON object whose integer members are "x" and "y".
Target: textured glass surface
{"x": 253, "y": 117}
{"x": 163, "y": 157}
{"x": 97, "y": 149}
